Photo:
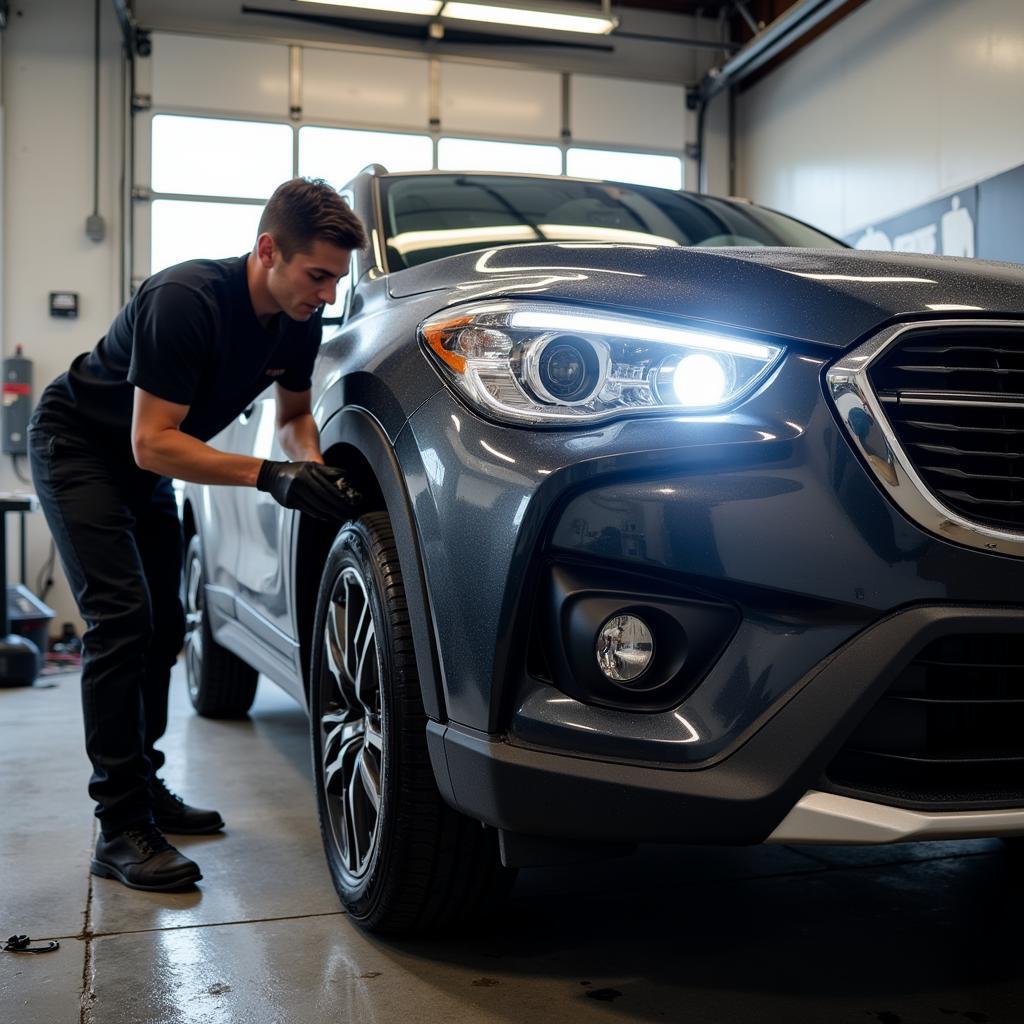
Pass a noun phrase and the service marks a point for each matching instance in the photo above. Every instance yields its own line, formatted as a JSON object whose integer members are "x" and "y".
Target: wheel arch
{"x": 354, "y": 440}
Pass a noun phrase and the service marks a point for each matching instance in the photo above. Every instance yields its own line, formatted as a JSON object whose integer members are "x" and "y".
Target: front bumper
{"x": 767, "y": 509}
{"x": 741, "y": 797}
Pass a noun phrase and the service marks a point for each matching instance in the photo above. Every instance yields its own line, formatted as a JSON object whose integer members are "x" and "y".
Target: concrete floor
{"x": 901, "y": 935}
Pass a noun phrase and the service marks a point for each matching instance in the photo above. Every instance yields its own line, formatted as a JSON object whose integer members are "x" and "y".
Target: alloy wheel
{"x": 351, "y": 724}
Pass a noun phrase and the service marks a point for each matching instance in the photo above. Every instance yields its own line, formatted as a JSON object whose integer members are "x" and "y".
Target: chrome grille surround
{"x": 864, "y": 418}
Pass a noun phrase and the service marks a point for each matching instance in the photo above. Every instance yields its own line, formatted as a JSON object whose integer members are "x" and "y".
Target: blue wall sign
{"x": 945, "y": 227}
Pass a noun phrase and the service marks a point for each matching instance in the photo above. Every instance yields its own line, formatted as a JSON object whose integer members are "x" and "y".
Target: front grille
{"x": 949, "y": 730}
{"x": 955, "y": 399}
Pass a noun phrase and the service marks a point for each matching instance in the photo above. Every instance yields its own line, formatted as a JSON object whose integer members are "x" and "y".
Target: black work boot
{"x": 172, "y": 814}
{"x": 142, "y": 859}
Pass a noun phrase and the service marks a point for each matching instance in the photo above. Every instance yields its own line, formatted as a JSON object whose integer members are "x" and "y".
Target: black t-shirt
{"x": 188, "y": 335}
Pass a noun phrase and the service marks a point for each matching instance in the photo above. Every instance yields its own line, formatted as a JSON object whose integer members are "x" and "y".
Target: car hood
{"x": 827, "y": 296}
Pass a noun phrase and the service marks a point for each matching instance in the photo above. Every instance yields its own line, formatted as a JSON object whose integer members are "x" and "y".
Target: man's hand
{"x": 311, "y": 487}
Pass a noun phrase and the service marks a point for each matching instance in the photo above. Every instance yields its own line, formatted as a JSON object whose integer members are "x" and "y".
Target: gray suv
{"x": 683, "y": 522}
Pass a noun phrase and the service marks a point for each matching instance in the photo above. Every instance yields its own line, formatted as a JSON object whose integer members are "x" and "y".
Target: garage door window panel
{"x": 484, "y": 155}
{"x": 204, "y": 156}
{"x": 338, "y": 154}
{"x": 635, "y": 168}
{"x": 185, "y": 230}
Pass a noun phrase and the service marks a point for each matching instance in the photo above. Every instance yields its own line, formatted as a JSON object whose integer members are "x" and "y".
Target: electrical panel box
{"x": 64, "y": 304}
{"x": 17, "y": 396}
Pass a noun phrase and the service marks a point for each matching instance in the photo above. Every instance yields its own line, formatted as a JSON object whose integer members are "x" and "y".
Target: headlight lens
{"x": 550, "y": 363}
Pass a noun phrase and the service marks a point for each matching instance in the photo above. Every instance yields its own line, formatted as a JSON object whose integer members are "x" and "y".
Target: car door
{"x": 260, "y": 576}
{"x": 219, "y": 517}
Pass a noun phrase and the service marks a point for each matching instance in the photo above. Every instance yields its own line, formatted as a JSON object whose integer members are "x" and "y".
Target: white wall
{"x": 47, "y": 76}
{"x": 900, "y": 102}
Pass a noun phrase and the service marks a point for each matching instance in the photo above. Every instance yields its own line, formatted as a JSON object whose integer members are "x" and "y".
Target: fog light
{"x": 625, "y": 648}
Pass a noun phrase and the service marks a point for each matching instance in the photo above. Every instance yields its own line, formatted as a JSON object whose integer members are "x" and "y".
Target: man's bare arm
{"x": 161, "y": 447}
{"x": 296, "y": 428}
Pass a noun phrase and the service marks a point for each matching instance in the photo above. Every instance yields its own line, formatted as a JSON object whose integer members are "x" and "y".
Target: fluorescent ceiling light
{"x": 483, "y": 12}
{"x": 426, "y": 8}
{"x": 528, "y": 18}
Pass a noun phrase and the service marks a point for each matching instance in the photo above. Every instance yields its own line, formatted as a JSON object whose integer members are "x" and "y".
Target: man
{"x": 192, "y": 349}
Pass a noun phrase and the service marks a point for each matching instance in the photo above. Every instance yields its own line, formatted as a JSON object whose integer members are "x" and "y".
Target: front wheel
{"x": 400, "y": 858}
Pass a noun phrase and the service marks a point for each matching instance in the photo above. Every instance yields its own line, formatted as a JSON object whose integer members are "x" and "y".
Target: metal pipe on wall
{"x": 95, "y": 226}
{"x": 3, "y": 200}
{"x": 126, "y": 176}
{"x": 785, "y": 31}
{"x": 135, "y": 43}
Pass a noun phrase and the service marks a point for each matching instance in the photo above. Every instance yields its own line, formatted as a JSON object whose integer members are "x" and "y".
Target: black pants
{"x": 117, "y": 530}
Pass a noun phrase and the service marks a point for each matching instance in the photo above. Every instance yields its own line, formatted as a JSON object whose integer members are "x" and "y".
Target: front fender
{"x": 356, "y": 427}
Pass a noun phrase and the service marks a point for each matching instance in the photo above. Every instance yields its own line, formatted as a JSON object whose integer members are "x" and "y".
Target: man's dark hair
{"x": 304, "y": 209}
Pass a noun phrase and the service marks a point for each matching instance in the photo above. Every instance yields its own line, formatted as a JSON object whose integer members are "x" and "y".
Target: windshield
{"x": 441, "y": 215}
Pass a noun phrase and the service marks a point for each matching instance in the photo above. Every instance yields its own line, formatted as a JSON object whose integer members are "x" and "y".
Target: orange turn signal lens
{"x": 436, "y": 334}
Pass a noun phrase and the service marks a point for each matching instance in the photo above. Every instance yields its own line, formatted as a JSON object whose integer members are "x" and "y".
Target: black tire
{"x": 220, "y": 684}
{"x": 401, "y": 859}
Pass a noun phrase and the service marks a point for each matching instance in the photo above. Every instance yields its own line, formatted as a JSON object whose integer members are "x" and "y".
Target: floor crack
{"x": 88, "y": 995}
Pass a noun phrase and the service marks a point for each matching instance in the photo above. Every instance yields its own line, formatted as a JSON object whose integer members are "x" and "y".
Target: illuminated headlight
{"x": 700, "y": 380}
{"x": 536, "y": 362}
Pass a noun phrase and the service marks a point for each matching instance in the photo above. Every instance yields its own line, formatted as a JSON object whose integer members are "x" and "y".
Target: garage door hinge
{"x": 692, "y": 150}
{"x": 142, "y": 195}
{"x": 141, "y": 101}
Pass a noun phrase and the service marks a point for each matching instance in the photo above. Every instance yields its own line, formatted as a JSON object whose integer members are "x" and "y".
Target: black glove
{"x": 322, "y": 491}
